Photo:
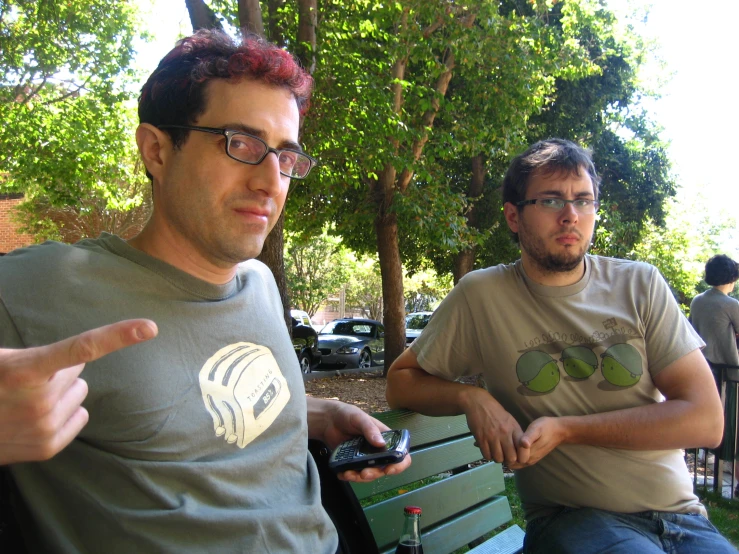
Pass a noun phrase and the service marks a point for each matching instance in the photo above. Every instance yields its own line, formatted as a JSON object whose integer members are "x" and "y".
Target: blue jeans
{"x": 591, "y": 531}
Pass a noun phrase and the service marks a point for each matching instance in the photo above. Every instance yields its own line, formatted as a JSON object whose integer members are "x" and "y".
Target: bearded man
{"x": 595, "y": 379}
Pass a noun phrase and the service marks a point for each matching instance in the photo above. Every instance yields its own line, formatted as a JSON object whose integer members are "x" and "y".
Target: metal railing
{"x": 704, "y": 461}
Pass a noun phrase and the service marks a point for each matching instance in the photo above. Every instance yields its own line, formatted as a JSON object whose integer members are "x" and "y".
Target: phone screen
{"x": 391, "y": 441}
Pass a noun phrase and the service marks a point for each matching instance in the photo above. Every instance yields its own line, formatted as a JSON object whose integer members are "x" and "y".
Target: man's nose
{"x": 266, "y": 176}
{"x": 568, "y": 214}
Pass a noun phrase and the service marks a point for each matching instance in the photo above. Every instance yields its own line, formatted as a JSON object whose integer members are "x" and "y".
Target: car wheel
{"x": 365, "y": 360}
{"x": 305, "y": 363}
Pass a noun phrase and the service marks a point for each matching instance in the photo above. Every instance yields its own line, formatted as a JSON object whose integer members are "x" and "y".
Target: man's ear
{"x": 511, "y": 216}
{"x": 155, "y": 147}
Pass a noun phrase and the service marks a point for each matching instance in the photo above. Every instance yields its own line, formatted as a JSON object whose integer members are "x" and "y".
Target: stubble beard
{"x": 553, "y": 262}
{"x": 218, "y": 242}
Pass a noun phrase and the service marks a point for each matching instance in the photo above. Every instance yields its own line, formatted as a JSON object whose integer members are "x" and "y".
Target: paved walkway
{"x": 322, "y": 374}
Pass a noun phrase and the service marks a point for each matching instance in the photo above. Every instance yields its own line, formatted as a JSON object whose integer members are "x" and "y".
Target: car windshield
{"x": 347, "y": 328}
{"x": 417, "y": 321}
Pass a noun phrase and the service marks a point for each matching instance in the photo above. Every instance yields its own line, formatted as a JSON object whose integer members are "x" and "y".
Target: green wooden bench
{"x": 458, "y": 509}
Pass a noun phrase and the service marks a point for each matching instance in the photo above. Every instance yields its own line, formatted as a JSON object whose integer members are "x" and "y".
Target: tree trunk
{"x": 273, "y": 257}
{"x": 464, "y": 262}
{"x": 276, "y": 30}
{"x": 201, "y": 16}
{"x": 307, "y": 22}
{"x": 250, "y": 20}
{"x": 391, "y": 269}
{"x": 250, "y": 17}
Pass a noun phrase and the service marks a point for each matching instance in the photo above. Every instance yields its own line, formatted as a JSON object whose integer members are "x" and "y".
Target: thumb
{"x": 372, "y": 430}
{"x": 532, "y": 434}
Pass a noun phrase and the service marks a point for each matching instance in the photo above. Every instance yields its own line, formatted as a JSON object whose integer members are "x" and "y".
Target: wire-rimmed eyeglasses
{"x": 584, "y": 206}
{"x": 252, "y": 150}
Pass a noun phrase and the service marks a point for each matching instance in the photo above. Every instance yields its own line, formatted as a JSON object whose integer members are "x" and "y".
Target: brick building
{"x": 10, "y": 238}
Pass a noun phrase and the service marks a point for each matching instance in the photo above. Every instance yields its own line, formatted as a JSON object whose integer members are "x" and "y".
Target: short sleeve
{"x": 668, "y": 334}
{"x": 448, "y": 346}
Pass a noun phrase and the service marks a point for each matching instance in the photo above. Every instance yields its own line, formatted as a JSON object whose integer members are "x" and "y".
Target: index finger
{"x": 44, "y": 361}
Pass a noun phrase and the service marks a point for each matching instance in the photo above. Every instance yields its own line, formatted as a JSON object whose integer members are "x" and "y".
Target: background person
{"x": 189, "y": 434}
{"x": 715, "y": 316}
{"x": 577, "y": 352}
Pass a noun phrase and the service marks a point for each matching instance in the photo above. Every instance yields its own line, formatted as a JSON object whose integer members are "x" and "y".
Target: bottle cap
{"x": 412, "y": 510}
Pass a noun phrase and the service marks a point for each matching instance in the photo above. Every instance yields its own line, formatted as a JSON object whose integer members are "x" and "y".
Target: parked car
{"x": 414, "y": 324}
{"x": 305, "y": 343}
{"x": 352, "y": 343}
{"x": 302, "y": 317}
{"x": 305, "y": 319}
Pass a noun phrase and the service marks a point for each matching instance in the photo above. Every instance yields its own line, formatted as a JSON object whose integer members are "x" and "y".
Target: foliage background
{"x": 522, "y": 71}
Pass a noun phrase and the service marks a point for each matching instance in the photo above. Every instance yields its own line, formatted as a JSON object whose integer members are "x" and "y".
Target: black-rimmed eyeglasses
{"x": 252, "y": 150}
{"x": 584, "y": 206}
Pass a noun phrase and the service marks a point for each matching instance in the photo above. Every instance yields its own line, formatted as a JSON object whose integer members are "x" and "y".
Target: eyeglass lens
{"x": 581, "y": 206}
{"x": 252, "y": 150}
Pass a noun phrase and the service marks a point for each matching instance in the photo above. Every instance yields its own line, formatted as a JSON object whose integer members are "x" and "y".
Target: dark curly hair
{"x": 721, "y": 270}
{"x": 176, "y": 93}
{"x": 553, "y": 155}
{"x": 547, "y": 157}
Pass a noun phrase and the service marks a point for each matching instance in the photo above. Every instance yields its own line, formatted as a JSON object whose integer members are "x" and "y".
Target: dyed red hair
{"x": 175, "y": 93}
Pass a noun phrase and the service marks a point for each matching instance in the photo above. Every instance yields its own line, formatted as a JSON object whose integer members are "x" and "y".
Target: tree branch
{"x": 71, "y": 92}
{"x": 34, "y": 91}
{"x": 434, "y": 26}
{"x": 442, "y": 84}
{"x": 382, "y": 187}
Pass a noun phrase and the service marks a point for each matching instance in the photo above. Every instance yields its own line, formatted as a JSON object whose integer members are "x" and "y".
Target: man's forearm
{"x": 690, "y": 417}
{"x": 416, "y": 390}
{"x": 662, "y": 426}
{"x": 496, "y": 432}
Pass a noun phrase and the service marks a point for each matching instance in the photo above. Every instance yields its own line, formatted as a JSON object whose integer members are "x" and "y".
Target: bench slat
{"x": 456, "y": 510}
{"x": 424, "y": 429}
{"x": 439, "y": 500}
{"x": 429, "y": 460}
{"x": 463, "y": 528}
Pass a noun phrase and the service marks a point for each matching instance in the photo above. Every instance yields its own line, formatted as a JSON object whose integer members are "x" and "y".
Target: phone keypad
{"x": 348, "y": 450}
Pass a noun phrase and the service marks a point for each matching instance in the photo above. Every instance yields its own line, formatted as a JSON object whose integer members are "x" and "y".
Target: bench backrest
{"x": 457, "y": 509}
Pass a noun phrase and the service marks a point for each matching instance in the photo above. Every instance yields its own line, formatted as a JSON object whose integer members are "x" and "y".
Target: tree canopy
{"x": 418, "y": 108}
{"x": 67, "y": 123}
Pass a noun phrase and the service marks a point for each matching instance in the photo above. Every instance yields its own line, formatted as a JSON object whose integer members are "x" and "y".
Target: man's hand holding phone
{"x": 334, "y": 422}
{"x": 358, "y": 454}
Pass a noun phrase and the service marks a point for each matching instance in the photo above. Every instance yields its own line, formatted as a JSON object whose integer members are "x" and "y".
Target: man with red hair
{"x": 188, "y": 430}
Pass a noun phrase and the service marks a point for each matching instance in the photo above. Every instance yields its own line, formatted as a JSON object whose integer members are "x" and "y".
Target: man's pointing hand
{"x": 41, "y": 392}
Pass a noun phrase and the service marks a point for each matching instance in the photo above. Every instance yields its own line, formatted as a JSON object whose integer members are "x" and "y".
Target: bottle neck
{"x": 411, "y": 534}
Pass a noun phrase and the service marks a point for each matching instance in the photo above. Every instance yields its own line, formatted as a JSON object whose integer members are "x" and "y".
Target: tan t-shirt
{"x": 586, "y": 348}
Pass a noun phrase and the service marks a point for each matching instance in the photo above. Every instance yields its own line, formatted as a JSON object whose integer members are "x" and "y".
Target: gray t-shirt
{"x": 587, "y": 348}
{"x": 715, "y": 316}
{"x": 197, "y": 440}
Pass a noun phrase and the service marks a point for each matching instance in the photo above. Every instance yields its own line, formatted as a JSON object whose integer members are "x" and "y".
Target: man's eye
{"x": 550, "y": 202}
{"x": 583, "y": 203}
{"x": 242, "y": 144}
{"x": 288, "y": 159}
